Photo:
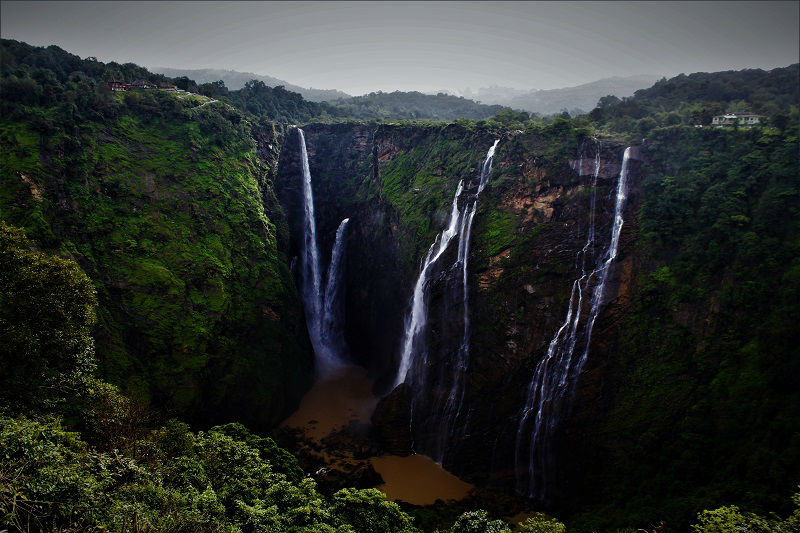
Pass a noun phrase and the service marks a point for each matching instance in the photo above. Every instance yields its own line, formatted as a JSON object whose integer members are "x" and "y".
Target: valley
{"x": 264, "y": 316}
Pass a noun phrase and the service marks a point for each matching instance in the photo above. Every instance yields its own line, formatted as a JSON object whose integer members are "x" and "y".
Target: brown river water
{"x": 346, "y": 396}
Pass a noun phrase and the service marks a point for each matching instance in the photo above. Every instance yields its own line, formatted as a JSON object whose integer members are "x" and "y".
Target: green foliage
{"x": 696, "y": 98}
{"x": 540, "y": 523}
{"x": 277, "y": 103}
{"x": 420, "y": 179}
{"x": 46, "y": 313}
{"x": 163, "y": 205}
{"x": 708, "y": 358}
{"x": 367, "y": 510}
{"x": 478, "y": 522}
{"x": 509, "y": 118}
{"x": 731, "y": 519}
{"x": 175, "y": 481}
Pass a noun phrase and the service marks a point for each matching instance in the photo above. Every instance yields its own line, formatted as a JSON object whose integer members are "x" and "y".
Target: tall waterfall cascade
{"x": 332, "y": 327}
{"x": 324, "y": 310}
{"x": 447, "y": 412}
{"x": 554, "y": 377}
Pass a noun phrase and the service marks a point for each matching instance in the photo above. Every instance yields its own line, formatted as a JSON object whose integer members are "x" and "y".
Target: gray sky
{"x": 363, "y": 46}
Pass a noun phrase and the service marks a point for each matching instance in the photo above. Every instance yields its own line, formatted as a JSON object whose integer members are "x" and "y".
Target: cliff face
{"x": 396, "y": 183}
{"x": 528, "y": 232}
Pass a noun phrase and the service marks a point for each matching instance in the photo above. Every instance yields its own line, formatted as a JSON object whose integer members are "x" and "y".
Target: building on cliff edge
{"x": 746, "y": 120}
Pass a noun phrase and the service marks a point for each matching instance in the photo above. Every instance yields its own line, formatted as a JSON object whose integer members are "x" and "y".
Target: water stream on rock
{"x": 556, "y": 373}
{"x": 445, "y": 413}
{"x": 332, "y": 330}
{"x": 323, "y": 310}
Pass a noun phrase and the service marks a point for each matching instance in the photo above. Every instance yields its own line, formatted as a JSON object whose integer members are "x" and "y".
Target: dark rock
{"x": 390, "y": 422}
{"x": 359, "y": 474}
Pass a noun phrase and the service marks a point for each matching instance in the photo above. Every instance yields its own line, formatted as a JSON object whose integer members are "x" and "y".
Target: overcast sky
{"x": 360, "y": 47}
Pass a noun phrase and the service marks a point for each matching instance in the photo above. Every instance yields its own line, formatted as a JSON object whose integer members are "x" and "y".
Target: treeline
{"x": 44, "y": 76}
{"x": 413, "y": 105}
{"x": 696, "y": 98}
{"x": 51, "y": 76}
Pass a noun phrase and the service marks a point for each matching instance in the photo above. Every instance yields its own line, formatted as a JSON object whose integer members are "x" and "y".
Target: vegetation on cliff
{"x": 707, "y": 364}
{"x": 169, "y": 208}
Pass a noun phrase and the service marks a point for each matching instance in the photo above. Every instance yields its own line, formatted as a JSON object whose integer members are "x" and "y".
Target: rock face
{"x": 369, "y": 173}
{"x": 390, "y": 428}
{"x": 528, "y": 231}
{"x": 396, "y": 185}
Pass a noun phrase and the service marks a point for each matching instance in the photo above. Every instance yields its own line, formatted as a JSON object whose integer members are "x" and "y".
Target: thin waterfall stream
{"x": 413, "y": 369}
{"x": 554, "y": 377}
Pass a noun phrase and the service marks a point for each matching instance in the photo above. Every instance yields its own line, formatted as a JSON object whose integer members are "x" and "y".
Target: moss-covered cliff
{"x": 170, "y": 210}
{"x": 694, "y": 399}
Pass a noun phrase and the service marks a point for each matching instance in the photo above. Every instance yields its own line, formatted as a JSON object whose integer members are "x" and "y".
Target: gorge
{"x": 518, "y": 314}
{"x": 422, "y": 369}
{"x": 554, "y": 278}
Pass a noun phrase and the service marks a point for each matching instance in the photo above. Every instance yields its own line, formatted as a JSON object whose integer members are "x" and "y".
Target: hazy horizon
{"x": 361, "y": 47}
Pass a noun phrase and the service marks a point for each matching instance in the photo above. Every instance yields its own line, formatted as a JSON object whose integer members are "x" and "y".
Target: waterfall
{"x": 332, "y": 332}
{"x": 450, "y": 413}
{"x": 413, "y": 369}
{"x": 323, "y": 311}
{"x": 555, "y": 375}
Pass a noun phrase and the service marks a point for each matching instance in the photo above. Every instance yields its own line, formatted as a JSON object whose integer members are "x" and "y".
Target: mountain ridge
{"x": 582, "y": 97}
{"x": 235, "y": 80}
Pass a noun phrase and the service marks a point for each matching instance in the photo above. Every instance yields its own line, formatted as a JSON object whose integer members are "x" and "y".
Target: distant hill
{"x": 546, "y": 102}
{"x": 760, "y": 90}
{"x": 235, "y": 80}
{"x": 401, "y": 105}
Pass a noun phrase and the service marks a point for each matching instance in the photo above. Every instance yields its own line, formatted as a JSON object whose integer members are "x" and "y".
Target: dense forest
{"x": 149, "y": 192}
{"x": 696, "y": 98}
{"x": 152, "y": 335}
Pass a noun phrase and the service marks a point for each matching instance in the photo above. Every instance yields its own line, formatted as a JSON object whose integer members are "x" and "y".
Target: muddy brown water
{"x": 345, "y": 396}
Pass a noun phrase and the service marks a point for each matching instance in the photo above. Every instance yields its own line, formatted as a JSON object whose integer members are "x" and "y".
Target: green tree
{"x": 367, "y": 511}
{"x": 46, "y": 313}
{"x": 478, "y": 522}
{"x": 541, "y": 523}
